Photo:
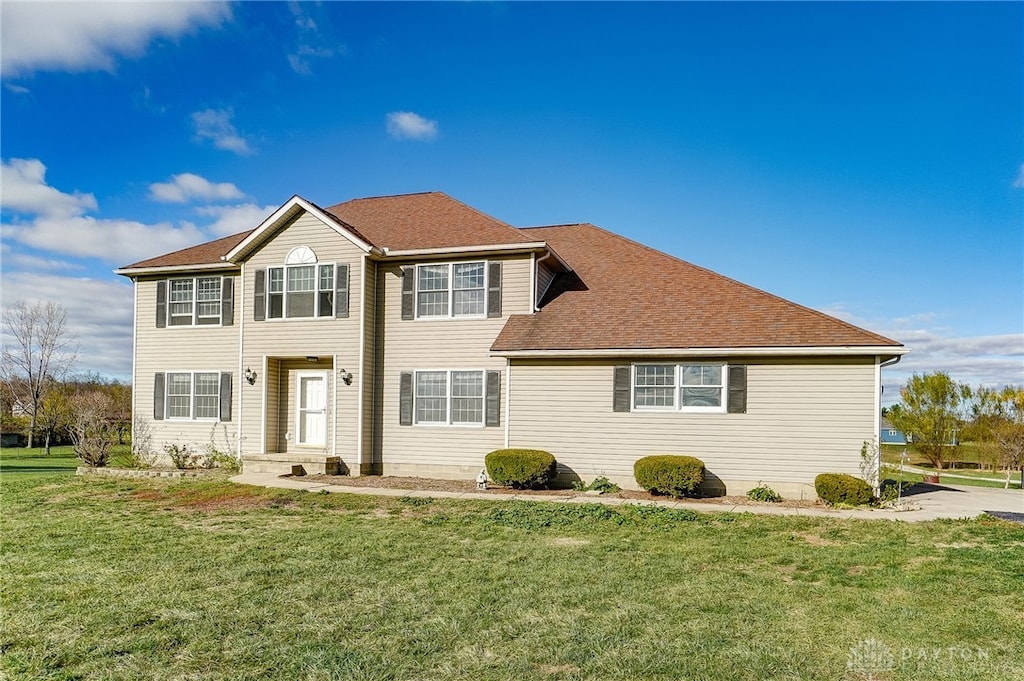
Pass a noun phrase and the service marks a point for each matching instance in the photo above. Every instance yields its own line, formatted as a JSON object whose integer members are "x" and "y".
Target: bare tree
{"x": 92, "y": 429}
{"x": 38, "y": 352}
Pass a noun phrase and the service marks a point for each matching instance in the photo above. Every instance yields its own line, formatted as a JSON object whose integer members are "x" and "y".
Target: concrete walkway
{"x": 930, "y": 502}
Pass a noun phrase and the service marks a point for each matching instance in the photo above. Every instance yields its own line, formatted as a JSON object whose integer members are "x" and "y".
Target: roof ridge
{"x": 746, "y": 286}
{"x": 386, "y": 196}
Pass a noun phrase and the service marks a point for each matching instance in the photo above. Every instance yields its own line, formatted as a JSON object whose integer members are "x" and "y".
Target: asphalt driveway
{"x": 961, "y": 501}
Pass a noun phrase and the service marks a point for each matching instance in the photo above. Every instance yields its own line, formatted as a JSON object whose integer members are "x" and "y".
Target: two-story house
{"x": 411, "y": 335}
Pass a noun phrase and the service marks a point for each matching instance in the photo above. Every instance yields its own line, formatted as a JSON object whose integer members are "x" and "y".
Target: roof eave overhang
{"x": 445, "y": 251}
{"x": 287, "y": 211}
{"x": 886, "y": 351}
{"x": 175, "y": 269}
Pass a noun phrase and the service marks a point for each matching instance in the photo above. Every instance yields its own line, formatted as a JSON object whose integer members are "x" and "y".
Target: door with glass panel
{"x": 311, "y": 408}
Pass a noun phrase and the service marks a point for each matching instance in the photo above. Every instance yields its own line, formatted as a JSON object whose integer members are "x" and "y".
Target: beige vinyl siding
{"x": 284, "y": 340}
{"x": 181, "y": 348}
{"x": 804, "y": 417}
{"x": 445, "y": 344}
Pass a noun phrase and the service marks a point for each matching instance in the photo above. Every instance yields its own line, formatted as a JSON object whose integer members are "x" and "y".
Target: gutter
{"x": 142, "y": 271}
{"x": 525, "y": 247}
{"x": 784, "y": 351}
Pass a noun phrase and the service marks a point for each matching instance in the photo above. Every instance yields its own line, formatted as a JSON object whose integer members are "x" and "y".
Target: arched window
{"x": 302, "y": 287}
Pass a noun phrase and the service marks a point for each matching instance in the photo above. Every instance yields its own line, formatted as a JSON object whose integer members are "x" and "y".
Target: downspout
{"x": 240, "y": 313}
{"x": 879, "y": 389}
{"x": 508, "y": 397}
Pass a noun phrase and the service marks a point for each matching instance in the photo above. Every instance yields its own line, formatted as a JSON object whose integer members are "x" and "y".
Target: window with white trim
{"x": 451, "y": 290}
{"x": 301, "y": 288}
{"x": 296, "y": 291}
{"x": 193, "y": 395}
{"x": 449, "y": 398}
{"x": 680, "y": 387}
{"x": 194, "y": 301}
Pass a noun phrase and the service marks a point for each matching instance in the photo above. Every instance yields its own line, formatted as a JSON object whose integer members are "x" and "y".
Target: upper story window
{"x": 447, "y": 290}
{"x": 194, "y": 301}
{"x": 450, "y": 290}
{"x": 301, "y": 288}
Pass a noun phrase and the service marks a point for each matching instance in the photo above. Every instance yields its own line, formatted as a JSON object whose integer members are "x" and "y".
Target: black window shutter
{"x": 405, "y": 399}
{"x": 621, "y": 390}
{"x": 225, "y": 396}
{"x": 161, "y": 304}
{"x": 493, "y": 399}
{"x": 158, "y": 396}
{"x": 737, "y": 403}
{"x": 227, "y": 301}
{"x": 259, "y": 302}
{"x": 341, "y": 292}
{"x": 494, "y": 289}
{"x": 408, "y": 292}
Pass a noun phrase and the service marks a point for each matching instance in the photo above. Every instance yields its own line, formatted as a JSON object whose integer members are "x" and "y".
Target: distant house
{"x": 13, "y": 439}
{"x": 411, "y": 335}
{"x": 888, "y": 435}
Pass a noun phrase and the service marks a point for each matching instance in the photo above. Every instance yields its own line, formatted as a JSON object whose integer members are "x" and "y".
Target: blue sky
{"x": 863, "y": 159}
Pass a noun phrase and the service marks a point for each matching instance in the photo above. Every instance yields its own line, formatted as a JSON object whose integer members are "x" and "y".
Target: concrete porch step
{"x": 291, "y": 463}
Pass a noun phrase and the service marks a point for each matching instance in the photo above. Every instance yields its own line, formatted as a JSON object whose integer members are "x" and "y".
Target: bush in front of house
{"x": 670, "y": 474}
{"x": 839, "y": 488}
{"x": 520, "y": 468}
{"x": 764, "y": 493}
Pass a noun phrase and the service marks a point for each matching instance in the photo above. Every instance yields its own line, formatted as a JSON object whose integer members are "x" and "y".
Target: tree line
{"x": 43, "y": 398}
{"x": 939, "y": 414}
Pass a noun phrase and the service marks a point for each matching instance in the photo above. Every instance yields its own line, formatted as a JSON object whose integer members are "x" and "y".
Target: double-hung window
{"x": 295, "y": 291}
{"x": 451, "y": 290}
{"x": 192, "y": 395}
{"x": 449, "y": 398}
{"x": 194, "y": 301}
{"x": 679, "y": 387}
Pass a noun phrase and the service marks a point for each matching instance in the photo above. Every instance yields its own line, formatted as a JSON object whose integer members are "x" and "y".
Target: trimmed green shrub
{"x": 676, "y": 476}
{"x": 840, "y": 488}
{"x": 764, "y": 493}
{"x": 520, "y": 468}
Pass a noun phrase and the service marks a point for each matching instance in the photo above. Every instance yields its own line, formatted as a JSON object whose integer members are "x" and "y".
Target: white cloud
{"x": 57, "y": 221}
{"x": 23, "y": 189}
{"x": 23, "y": 261}
{"x": 304, "y": 54}
{"x": 81, "y": 36}
{"x": 215, "y": 125}
{"x": 1019, "y": 182}
{"x": 99, "y": 313}
{"x": 120, "y": 242}
{"x": 990, "y": 360}
{"x": 408, "y": 125}
{"x": 235, "y": 219}
{"x": 188, "y": 186}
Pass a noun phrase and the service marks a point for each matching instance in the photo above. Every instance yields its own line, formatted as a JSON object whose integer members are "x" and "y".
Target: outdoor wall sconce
{"x": 345, "y": 376}
{"x": 312, "y": 358}
{"x": 250, "y": 376}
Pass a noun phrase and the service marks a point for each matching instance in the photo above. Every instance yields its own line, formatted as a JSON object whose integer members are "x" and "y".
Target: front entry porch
{"x": 299, "y": 417}
{"x": 293, "y": 463}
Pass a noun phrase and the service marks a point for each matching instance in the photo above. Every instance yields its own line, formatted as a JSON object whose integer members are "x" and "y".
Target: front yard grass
{"x": 157, "y": 579}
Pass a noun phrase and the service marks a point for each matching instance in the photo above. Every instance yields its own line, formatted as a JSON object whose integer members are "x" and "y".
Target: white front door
{"x": 311, "y": 416}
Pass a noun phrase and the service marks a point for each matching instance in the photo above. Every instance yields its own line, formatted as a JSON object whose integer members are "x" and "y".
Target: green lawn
{"x": 964, "y": 471}
{"x": 157, "y": 579}
{"x": 61, "y": 459}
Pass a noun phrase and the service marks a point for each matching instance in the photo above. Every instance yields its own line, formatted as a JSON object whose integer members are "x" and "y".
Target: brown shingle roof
{"x": 207, "y": 253}
{"x": 624, "y": 295}
{"x": 428, "y": 220}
